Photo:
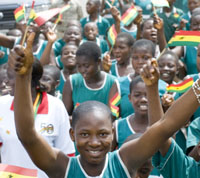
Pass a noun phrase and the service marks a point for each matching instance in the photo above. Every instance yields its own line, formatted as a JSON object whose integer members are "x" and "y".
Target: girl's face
{"x": 168, "y": 68}
{"x": 138, "y": 98}
{"x": 91, "y": 31}
{"x": 149, "y": 32}
{"x": 73, "y": 35}
{"x": 121, "y": 50}
{"x": 93, "y": 135}
{"x": 195, "y": 23}
{"x": 140, "y": 56}
{"x": 88, "y": 68}
{"x": 69, "y": 56}
{"x": 192, "y": 4}
{"x": 47, "y": 81}
{"x": 91, "y": 7}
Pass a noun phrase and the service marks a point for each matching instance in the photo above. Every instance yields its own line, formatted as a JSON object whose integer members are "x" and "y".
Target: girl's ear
{"x": 71, "y": 132}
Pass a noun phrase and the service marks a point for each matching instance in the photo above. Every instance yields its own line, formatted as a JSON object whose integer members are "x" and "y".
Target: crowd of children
{"x": 92, "y": 97}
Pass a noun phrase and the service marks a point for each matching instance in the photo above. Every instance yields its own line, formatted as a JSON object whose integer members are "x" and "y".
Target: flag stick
{"x": 24, "y": 37}
{"x": 54, "y": 27}
{"x": 161, "y": 53}
{"x": 109, "y": 4}
{"x": 27, "y": 26}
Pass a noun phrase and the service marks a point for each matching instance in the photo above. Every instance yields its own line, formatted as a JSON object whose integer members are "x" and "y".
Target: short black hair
{"x": 89, "y": 49}
{"x": 145, "y": 21}
{"x": 144, "y": 43}
{"x": 36, "y": 73}
{"x": 89, "y": 106}
{"x": 55, "y": 72}
{"x": 129, "y": 38}
{"x": 169, "y": 52}
{"x": 136, "y": 80}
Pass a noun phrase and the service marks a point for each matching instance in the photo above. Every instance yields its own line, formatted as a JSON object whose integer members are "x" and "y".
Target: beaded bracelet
{"x": 195, "y": 86}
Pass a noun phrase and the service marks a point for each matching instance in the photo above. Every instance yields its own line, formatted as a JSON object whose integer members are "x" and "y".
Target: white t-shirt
{"x": 52, "y": 122}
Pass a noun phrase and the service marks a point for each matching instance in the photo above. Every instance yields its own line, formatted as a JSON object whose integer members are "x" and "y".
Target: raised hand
{"x": 106, "y": 63}
{"x": 158, "y": 22}
{"x": 20, "y": 58}
{"x": 138, "y": 19}
{"x": 51, "y": 36}
{"x": 167, "y": 100}
{"x": 115, "y": 13}
{"x": 150, "y": 73}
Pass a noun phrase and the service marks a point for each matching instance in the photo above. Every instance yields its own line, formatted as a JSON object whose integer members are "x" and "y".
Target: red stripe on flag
{"x": 21, "y": 8}
{"x": 18, "y": 170}
{"x": 127, "y": 12}
{"x": 181, "y": 84}
{"x": 187, "y": 33}
{"x": 114, "y": 97}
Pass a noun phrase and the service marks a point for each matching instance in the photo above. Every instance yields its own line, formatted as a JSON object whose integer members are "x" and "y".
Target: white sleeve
{"x": 63, "y": 141}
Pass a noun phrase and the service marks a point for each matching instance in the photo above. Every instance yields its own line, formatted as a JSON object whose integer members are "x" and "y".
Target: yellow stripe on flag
{"x": 116, "y": 100}
{"x": 18, "y": 14}
{"x": 131, "y": 13}
{"x": 184, "y": 38}
{"x": 180, "y": 87}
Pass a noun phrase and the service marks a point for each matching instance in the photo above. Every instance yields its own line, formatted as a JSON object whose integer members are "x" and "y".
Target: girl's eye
{"x": 84, "y": 134}
{"x": 103, "y": 134}
{"x": 146, "y": 57}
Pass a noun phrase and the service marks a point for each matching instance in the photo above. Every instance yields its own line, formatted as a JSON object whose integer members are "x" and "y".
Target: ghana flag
{"x": 114, "y": 102}
{"x": 160, "y": 3}
{"x": 185, "y": 38}
{"x": 112, "y": 35}
{"x": 181, "y": 87}
{"x": 19, "y": 13}
{"x": 8, "y": 171}
{"x": 129, "y": 15}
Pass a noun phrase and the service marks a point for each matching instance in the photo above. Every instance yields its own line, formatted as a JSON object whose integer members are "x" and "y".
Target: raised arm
{"x": 137, "y": 151}
{"x": 6, "y": 41}
{"x": 52, "y": 162}
{"x": 48, "y": 55}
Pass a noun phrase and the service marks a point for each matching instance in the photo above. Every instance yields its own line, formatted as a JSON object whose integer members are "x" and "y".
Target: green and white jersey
{"x": 175, "y": 164}
{"x": 113, "y": 168}
{"x": 81, "y": 92}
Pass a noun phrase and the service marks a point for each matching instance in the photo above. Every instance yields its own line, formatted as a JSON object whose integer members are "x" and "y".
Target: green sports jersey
{"x": 170, "y": 21}
{"x": 113, "y": 168}
{"x": 102, "y": 25}
{"x": 6, "y": 51}
{"x": 193, "y": 133}
{"x": 81, "y": 92}
{"x": 175, "y": 164}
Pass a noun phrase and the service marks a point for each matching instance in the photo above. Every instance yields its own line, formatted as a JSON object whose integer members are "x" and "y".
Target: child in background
{"x": 142, "y": 52}
{"x": 171, "y": 160}
{"x": 106, "y": 10}
{"x": 70, "y": 31}
{"x": 192, "y": 4}
{"x": 91, "y": 34}
{"x": 90, "y": 83}
{"x": 121, "y": 66}
{"x": 67, "y": 64}
{"x": 50, "y": 80}
{"x": 149, "y": 32}
{"x": 93, "y": 133}
{"x": 172, "y": 17}
{"x": 136, "y": 122}
{"x": 93, "y": 9}
{"x": 3, "y": 79}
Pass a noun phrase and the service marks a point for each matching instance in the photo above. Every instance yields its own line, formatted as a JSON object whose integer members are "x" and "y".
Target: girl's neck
{"x": 94, "y": 16}
{"x": 124, "y": 63}
{"x": 92, "y": 169}
{"x": 69, "y": 71}
{"x": 141, "y": 119}
{"x": 96, "y": 78}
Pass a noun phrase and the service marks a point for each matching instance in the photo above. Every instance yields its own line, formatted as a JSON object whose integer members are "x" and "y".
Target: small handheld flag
{"x": 181, "y": 87}
{"x": 185, "y": 38}
{"x": 129, "y": 15}
{"x": 160, "y": 3}
{"x": 112, "y": 35}
{"x": 19, "y": 13}
{"x": 114, "y": 102}
{"x": 7, "y": 171}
